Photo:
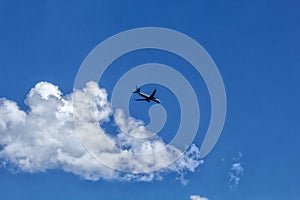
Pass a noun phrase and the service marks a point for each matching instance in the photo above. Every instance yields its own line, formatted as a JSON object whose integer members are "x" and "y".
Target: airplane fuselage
{"x": 147, "y": 97}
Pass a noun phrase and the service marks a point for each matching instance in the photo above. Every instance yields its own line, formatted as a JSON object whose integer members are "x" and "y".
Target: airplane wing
{"x": 140, "y": 99}
{"x": 153, "y": 93}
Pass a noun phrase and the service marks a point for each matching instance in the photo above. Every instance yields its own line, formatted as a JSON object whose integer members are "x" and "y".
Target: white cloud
{"x": 235, "y": 172}
{"x": 44, "y": 137}
{"x": 197, "y": 197}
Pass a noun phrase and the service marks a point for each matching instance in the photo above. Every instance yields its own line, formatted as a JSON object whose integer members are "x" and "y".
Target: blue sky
{"x": 255, "y": 46}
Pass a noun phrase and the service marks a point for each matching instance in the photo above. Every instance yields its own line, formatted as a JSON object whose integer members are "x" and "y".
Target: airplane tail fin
{"x": 137, "y": 90}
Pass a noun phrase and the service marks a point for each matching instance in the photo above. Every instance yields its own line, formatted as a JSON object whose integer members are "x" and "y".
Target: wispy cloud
{"x": 235, "y": 172}
{"x": 197, "y": 197}
{"x": 44, "y": 137}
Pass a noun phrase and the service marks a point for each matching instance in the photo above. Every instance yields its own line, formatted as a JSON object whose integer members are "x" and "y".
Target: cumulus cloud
{"x": 235, "y": 172}
{"x": 197, "y": 197}
{"x": 45, "y": 137}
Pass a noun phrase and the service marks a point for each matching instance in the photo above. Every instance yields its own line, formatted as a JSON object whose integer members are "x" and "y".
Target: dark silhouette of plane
{"x": 147, "y": 98}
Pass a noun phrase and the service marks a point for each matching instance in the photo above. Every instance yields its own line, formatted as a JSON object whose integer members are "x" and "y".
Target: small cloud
{"x": 197, "y": 197}
{"x": 235, "y": 172}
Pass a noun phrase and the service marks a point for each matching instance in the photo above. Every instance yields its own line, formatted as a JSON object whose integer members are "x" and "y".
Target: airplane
{"x": 147, "y": 98}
